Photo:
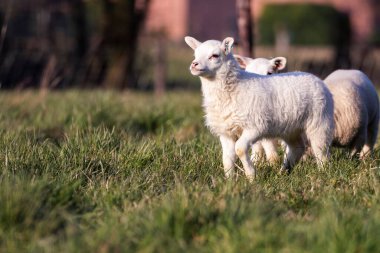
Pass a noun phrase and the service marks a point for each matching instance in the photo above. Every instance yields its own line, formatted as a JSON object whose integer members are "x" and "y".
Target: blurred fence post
{"x": 282, "y": 40}
{"x": 244, "y": 21}
{"x": 160, "y": 65}
{"x": 48, "y": 73}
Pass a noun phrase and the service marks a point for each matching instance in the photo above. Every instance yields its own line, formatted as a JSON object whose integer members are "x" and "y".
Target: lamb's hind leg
{"x": 293, "y": 153}
{"x": 320, "y": 145}
{"x": 358, "y": 142}
{"x": 257, "y": 152}
{"x": 270, "y": 147}
{"x": 372, "y": 131}
{"x": 242, "y": 147}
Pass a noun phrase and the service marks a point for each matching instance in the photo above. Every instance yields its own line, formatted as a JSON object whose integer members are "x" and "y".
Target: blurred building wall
{"x": 169, "y": 17}
{"x": 216, "y": 18}
{"x": 199, "y": 18}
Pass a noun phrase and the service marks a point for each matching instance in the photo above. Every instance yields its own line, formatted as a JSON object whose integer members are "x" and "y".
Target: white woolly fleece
{"x": 242, "y": 108}
{"x": 356, "y": 110}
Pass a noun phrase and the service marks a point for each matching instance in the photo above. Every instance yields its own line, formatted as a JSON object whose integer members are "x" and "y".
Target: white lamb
{"x": 263, "y": 66}
{"x": 242, "y": 108}
{"x": 356, "y": 109}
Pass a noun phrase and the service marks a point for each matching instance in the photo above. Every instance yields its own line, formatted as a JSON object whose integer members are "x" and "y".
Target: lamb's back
{"x": 282, "y": 103}
{"x": 289, "y": 92}
{"x": 354, "y": 87}
{"x": 355, "y": 103}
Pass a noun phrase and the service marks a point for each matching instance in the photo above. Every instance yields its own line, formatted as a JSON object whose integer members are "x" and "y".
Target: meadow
{"x": 108, "y": 171}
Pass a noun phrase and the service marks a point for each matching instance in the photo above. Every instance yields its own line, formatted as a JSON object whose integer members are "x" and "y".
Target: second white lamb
{"x": 356, "y": 109}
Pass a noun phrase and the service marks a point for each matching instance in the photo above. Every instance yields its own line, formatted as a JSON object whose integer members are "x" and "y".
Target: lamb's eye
{"x": 214, "y": 56}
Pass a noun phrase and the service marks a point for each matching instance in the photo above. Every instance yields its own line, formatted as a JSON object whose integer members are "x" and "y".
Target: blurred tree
{"x": 244, "y": 21}
{"x": 4, "y": 20}
{"x": 70, "y": 42}
{"x": 81, "y": 34}
{"x": 342, "y": 42}
{"x": 53, "y": 25}
{"x": 325, "y": 26}
{"x": 323, "y": 23}
{"x": 123, "y": 20}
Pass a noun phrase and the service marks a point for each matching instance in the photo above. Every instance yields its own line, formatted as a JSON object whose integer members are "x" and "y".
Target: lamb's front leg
{"x": 229, "y": 156}
{"x": 242, "y": 150}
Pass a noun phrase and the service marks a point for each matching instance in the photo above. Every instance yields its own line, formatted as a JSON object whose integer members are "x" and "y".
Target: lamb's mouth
{"x": 196, "y": 71}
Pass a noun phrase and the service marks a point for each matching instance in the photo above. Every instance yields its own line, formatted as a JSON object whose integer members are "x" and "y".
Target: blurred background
{"x": 138, "y": 44}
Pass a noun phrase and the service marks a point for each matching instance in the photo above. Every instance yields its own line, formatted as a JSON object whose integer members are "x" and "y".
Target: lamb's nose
{"x": 194, "y": 64}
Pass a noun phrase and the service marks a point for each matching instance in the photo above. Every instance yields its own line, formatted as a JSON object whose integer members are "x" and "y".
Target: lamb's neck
{"x": 225, "y": 80}
{"x": 229, "y": 73}
{"x": 215, "y": 95}
{"x": 210, "y": 86}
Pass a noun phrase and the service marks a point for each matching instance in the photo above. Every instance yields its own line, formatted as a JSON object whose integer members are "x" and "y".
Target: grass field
{"x": 102, "y": 171}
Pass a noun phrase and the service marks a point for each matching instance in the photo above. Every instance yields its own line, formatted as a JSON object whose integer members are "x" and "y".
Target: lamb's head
{"x": 261, "y": 66}
{"x": 210, "y": 56}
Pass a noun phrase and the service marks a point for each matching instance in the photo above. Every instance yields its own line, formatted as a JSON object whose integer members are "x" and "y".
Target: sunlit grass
{"x": 101, "y": 171}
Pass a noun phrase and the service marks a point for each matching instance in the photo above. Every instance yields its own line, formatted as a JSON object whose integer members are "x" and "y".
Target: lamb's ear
{"x": 278, "y": 63}
{"x": 193, "y": 43}
{"x": 243, "y": 61}
{"x": 227, "y": 45}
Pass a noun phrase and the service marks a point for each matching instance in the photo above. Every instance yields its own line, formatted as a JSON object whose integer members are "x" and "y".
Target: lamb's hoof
{"x": 305, "y": 157}
{"x": 229, "y": 176}
{"x": 251, "y": 177}
{"x": 255, "y": 158}
{"x": 273, "y": 159}
{"x": 284, "y": 170}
